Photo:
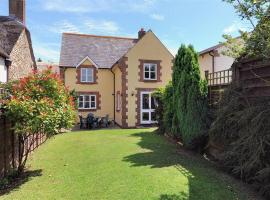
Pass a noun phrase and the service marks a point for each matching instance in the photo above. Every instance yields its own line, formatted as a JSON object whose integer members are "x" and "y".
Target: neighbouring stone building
{"x": 16, "y": 53}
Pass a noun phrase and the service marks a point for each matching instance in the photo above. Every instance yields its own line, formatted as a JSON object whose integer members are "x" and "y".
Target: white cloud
{"x": 46, "y": 53}
{"x": 86, "y": 26}
{"x": 86, "y": 6}
{"x": 64, "y": 26}
{"x": 157, "y": 17}
{"x": 101, "y": 26}
{"x": 235, "y": 27}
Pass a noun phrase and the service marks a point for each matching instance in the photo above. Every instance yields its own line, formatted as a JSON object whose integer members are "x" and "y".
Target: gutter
{"x": 113, "y": 94}
{"x": 211, "y": 53}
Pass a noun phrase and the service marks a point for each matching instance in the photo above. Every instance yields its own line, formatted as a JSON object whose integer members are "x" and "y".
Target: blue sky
{"x": 197, "y": 22}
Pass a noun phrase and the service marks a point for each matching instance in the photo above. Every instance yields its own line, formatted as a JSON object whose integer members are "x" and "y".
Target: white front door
{"x": 148, "y": 105}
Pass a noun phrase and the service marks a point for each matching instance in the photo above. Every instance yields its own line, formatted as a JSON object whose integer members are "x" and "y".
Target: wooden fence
{"x": 217, "y": 83}
{"x": 9, "y": 146}
{"x": 253, "y": 75}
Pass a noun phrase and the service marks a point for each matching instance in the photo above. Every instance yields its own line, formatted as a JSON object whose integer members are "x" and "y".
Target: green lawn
{"x": 119, "y": 165}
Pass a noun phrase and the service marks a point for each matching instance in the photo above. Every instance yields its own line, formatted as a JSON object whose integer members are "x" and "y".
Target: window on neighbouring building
{"x": 87, "y": 102}
{"x": 118, "y": 101}
{"x": 87, "y": 75}
{"x": 150, "y": 71}
{"x": 3, "y": 71}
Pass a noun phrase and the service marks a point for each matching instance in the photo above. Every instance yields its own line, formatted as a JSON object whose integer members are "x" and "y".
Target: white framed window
{"x": 118, "y": 101}
{"x": 150, "y": 71}
{"x": 87, "y": 101}
{"x": 87, "y": 75}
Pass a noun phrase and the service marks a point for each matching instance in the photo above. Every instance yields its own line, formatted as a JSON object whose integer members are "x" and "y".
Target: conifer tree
{"x": 189, "y": 120}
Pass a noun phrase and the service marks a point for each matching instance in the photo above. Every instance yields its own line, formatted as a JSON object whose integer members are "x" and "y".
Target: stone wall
{"x": 21, "y": 57}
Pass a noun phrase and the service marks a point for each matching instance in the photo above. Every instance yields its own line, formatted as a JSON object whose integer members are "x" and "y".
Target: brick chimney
{"x": 17, "y": 9}
{"x": 141, "y": 33}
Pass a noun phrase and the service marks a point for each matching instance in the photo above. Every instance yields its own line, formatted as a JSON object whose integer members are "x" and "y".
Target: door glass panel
{"x": 153, "y": 116}
{"x": 145, "y": 101}
{"x": 145, "y": 116}
{"x": 153, "y": 103}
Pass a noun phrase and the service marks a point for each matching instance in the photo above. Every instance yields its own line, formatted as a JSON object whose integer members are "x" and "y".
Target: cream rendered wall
{"x": 104, "y": 86}
{"x": 222, "y": 62}
{"x": 149, "y": 48}
{"x": 3, "y": 71}
{"x": 118, "y": 87}
{"x": 205, "y": 62}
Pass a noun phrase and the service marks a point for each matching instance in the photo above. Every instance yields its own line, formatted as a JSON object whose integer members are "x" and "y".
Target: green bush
{"x": 243, "y": 127}
{"x": 38, "y": 103}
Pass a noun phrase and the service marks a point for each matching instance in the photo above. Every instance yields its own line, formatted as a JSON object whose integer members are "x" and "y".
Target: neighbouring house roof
{"x": 10, "y": 31}
{"x": 44, "y": 65}
{"x": 210, "y": 49}
{"x": 103, "y": 50}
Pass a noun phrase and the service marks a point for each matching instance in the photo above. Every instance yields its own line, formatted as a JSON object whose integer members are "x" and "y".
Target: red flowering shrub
{"x": 39, "y": 103}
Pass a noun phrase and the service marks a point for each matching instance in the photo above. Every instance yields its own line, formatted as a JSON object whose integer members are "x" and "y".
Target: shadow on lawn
{"x": 160, "y": 153}
{"x": 14, "y": 183}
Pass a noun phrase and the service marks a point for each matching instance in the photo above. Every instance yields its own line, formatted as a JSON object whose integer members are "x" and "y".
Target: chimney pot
{"x": 17, "y": 9}
{"x": 141, "y": 33}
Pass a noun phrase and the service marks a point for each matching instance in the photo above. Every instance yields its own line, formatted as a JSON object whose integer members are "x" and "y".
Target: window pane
{"x": 146, "y": 74}
{"x": 145, "y": 101}
{"x": 146, "y": 67}
{"x": 86, "y": 98}
{"x": 93, "y": 98}
{"x": 145, "y": 116}
{"x": 153, "y": 75}
{"x": 80, "y": 100}
{"x": 86, "y": 105}
{"x": 83, "y": 75}
{"x": 89, "y": 75}
{"x": 93, "y": 104}
{"x": 80, "y": 104}
{"x": 153, "y": 68}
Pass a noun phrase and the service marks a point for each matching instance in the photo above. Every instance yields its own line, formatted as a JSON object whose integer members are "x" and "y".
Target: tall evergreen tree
{"x": 189, "y": 121}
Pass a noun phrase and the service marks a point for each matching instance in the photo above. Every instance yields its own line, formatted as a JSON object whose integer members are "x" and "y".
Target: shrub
{"x": 242, "y": 126}
{"x": 39, "y": 103}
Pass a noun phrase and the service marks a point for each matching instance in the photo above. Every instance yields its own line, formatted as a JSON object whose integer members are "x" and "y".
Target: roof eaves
{"x": 210, "y": 49}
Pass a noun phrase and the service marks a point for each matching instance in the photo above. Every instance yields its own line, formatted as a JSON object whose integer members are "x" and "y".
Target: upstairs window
{"x": 87, "y": 102}
{"x": 87, "y": 75}
{"x": 150, "y": 71}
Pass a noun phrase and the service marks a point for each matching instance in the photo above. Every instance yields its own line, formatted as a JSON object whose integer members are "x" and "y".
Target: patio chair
{"x": 91, "y": 121}
{"x": 105, "y": 121}
{"x": 82, "y": 122}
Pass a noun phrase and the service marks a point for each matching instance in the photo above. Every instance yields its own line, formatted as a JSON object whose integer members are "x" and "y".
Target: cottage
{"x": 116, "y": 75}
{"x": 16, "y": 54}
